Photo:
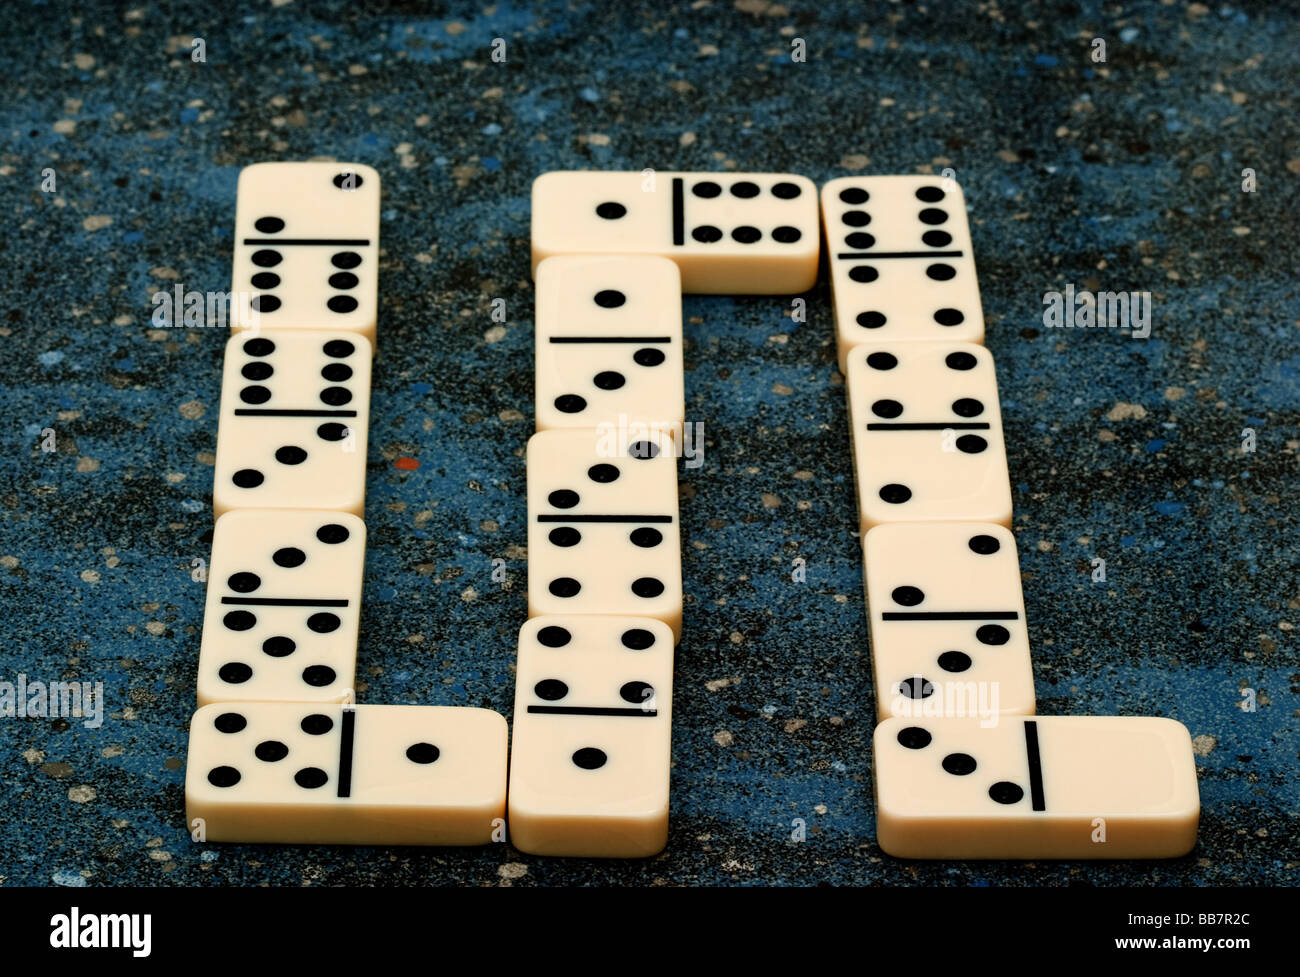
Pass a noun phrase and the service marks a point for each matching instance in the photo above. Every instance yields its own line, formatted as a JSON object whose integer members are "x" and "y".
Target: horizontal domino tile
{"x": 901, "y": 263}
{"x": 1044, "y": 787}
{"x": 593, "y": 716}
{"x": 314, "y": 773}
{"x": 750, "y": 233}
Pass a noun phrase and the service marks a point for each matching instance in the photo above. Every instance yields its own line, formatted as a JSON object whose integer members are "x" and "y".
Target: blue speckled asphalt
{"x": 1125, "y": 175}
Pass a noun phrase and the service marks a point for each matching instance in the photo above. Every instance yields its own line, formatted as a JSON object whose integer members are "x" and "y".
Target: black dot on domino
{"x": 266, "y": 258}
{"x": 248, "y": 478}
{"x": 707, "y": 234}
{"x": 647, "y": 587}
{"x": 230, "y": 722}
{"x": 255, "y": 394}
{"x": 279, "y": 646}
{"x": 856, "y": 218}
{"x": 706, "y": 189}
{"x": 223, "y": 776}
{"x": 882, "y": 361}
{"x": 871, "y": 320}
{"x": 554, "y": 636}
{"x": 259, "y": 347}
{"x": 984, "y": 545}
{"x": 1005, "y": 792}
{"x": 860, "y": 240}
{"x": 854, "y": 195}
{"x": 746, "y": 234}
{"x": 265, "y": 279}
{"x": 949, "y": 317}
{"x": 646, "y": 537}
{"x": 590, "y": 758}
{"x": 564, "y": 587}
{"x": 744, "y": 189}
{"x": 937, "y": 239}
{"x": 332, "y": 431}
{"x": 290, "y": 454}
{"x": 270, "y": 751}
{"x": 318, "y": 676}
{"x": 609, "y": 380}
{"x": 895, "y": 494}
{"x": 941, "y": 272}
{"x": 324, "y": 622}
{"x": 637, "y": 692}
{"x": 347, "y": 180}
{"x": 264, "y": 303}
{"x": 929, "y": 195}
{"x": 342, "y": 304}
{"x": 563, "y": 498}
{"x": 333, "y": 533}
{"x": 959, "y": 764}
{"x": 239, "y": 620}
{"x": 908, "y": 596}
{"x": 422, "y": 753}
{"x": 638, "y": 639}
{"x": 257, "y": 371}
{"x": 971, "y": 444}
{"x": 914, "y": 737}
{"x": 289, "y": 556}
{"x": 785, "y": 234}
{"x": 565, "y": 536}
{"x": 610, "y": 298}
{"x": 234, "y": 673}
{"x": 786, "y": 191}
{"x": 886, "y": 408}
{"x": 550, "y": 689}
{"x": 916, "y": 687}
{"x": 311, "y": 778}
{"x": 244, "y": 582}
{"x": 269, "y": 225}
{"x": 338, "y": 348}
{"x": 570, "y": 404}
{"x": 643, "y": 450}
{"x": 316, "y": 724}
{"x": 610, "y": 210}
{"x": 992, "y": 634}
{"x": 603, "y": 473}
{"x": 863, "y": 274}
{"x": 954, "y": 661}
{"x": 343, "y": 280}
{"x": 967, "y": 407}
{"x": 933, "y": 215}
{"x": 960, "y": 361}
{"x": 335, "y": 396}
{"x": 648, "y": 357}
{"x": 345, "y": 259}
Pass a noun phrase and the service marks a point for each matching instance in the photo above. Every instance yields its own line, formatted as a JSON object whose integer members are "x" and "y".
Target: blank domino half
{"x": 1048, "y": 787}
{"x": 295, "y": 408}
{"x": 593, "y": 719}
{"x": 307, "y": 247}
{"x": 948, "y": 634}
{"x": 926, "y": 430}
{"x": 603, "y": 529}
{"x": 901, "y": 264}
{"x": 310, "y": 773}
{"x": 283, "y": 606}
{"x": 609, "y": 341}
{"x": 748, "y": 233}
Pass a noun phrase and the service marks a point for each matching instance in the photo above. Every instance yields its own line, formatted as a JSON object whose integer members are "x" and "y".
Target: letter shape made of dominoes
{"x": 744, "y": 233}
{"x": 948, "y": 634}
{"x": 283, "y": 606}
{"x": 295, "y": 407}
{"x": 1044, "y": 787}
{"x": 901, "y": 264}
{"x": 317, "y": 773}
{"x": 593, "y": 717}
{"x": 926, "y": 431}
{"x": 307, "y": 247}
{"x": 609, "y": 342}
{"x": 603, "y": 533}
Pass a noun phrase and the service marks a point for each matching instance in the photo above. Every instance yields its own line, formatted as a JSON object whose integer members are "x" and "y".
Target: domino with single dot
{"x": 948, "y": 634}
{"x": 315, "y": 773}
{"x": 901, "y": 264}
{"x": 739, "y": 233}
{"x": 926, "y": 431}
{"x": 295, "y": 406}
{"x": 1044, "y": 787}
{"x": 283, "y": 606}
{"x": 307, "y": 247}
{"x": 609, "y": 342}
{"x": 593, "y": 717}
